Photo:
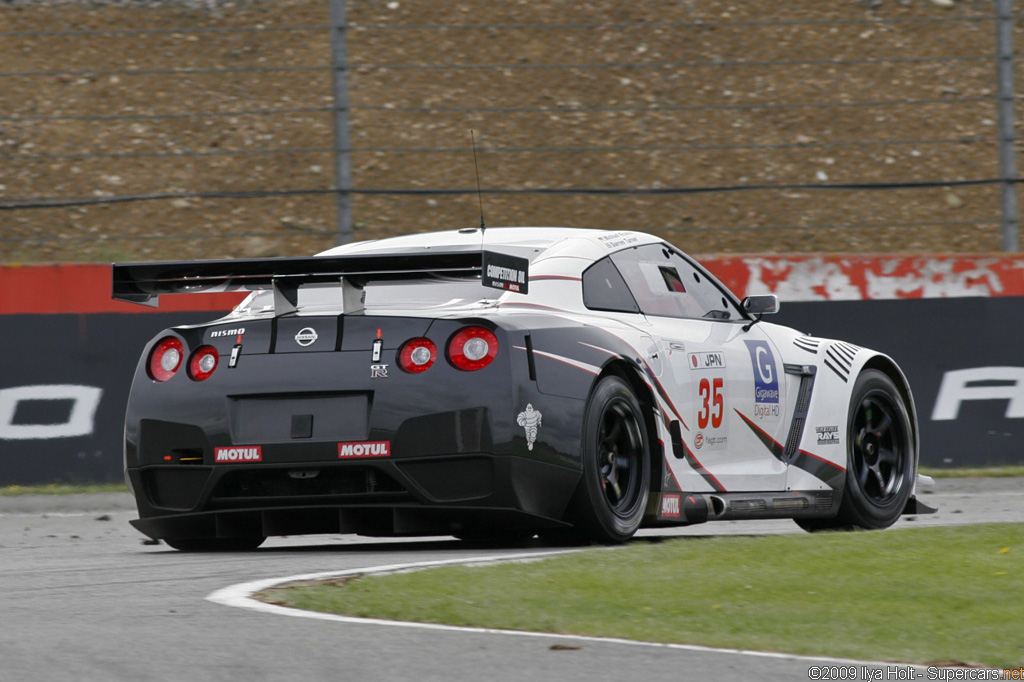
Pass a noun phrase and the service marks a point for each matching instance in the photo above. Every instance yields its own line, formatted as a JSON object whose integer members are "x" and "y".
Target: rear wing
{"x": 143, "y": 283}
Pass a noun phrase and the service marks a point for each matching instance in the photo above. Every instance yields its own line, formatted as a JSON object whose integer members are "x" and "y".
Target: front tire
{"x": 612, "y": 497}
{"x": 880, "y": 458}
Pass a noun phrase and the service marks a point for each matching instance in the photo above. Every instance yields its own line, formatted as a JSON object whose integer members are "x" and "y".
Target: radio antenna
{"x": 479, "y": 192}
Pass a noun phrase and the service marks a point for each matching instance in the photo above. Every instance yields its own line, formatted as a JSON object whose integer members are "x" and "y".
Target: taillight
{"x": 472, "y": 348}
{"x": 417, "y": 355}
{"x": 203, "y": 362}
{"x": 165, "y": 358}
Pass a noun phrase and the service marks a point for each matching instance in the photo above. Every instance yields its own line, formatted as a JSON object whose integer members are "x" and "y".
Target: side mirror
{"x": 765, "y": 304}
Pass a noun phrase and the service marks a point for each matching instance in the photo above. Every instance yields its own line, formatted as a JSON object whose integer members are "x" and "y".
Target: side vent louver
{"x": 839, "y": 359}
{"x": 807, "y": 343}
{"x": 803, "y": 405}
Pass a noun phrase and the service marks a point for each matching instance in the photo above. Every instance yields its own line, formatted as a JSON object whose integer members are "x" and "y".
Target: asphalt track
{"x": 83, "y": 598}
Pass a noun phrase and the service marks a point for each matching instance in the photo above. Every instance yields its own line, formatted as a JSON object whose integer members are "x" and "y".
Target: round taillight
{"x": 417, "y": 355}
{"x": 165, "y": 358}
{"x": 203, "y": 362}
{"x": 472, "y": 348}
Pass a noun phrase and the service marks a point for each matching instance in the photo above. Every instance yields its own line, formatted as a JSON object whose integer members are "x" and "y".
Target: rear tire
{"x": 612, "y": 496}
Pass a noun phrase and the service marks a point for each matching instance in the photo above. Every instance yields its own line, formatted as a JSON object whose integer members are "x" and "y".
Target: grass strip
{"x": 1008, "y": 471}
{"x": 60, "y": 489}
{"x": 923, "y": 595}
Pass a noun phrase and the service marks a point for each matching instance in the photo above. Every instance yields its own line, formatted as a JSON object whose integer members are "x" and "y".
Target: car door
{"x": 722, "y": 376}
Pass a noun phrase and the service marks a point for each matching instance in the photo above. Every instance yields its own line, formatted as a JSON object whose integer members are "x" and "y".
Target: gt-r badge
{"x": 306, "y": 337}
{"x": 378, "y": 371}
{"x": 529, "y": 419}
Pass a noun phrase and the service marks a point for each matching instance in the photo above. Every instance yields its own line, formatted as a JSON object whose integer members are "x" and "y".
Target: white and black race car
{"x": 495, "y": 383}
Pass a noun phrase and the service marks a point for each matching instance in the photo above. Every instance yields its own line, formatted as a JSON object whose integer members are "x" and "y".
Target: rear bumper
{"x": 413, "y": 496}
{"x": 289, "y": 441}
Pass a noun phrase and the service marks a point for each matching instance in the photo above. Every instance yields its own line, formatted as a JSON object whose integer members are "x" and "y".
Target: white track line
{"x": 240, "y": 596}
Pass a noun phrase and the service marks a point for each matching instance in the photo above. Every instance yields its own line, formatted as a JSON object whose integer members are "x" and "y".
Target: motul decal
{"x": 245, "y": 453}
{"x": 670, "y": 506}
{"x": 380, "y": 448}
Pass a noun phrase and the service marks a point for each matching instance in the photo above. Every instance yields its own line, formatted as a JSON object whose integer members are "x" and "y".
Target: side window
{"x": 666, "y": 284}
{"x": 604, "y": 289}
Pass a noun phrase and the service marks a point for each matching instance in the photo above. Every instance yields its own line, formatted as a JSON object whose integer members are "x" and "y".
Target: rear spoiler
{"x": 143, "y": 283}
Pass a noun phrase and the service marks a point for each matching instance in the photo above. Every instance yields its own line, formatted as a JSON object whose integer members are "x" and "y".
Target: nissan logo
{"x": 306, "y": 337}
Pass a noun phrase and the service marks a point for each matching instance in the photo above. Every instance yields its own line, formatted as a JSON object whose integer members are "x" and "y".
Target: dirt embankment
{"x": 710, "y": 93}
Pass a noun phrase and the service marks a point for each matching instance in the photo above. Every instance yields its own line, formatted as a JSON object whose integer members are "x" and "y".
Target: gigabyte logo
{"x": 378, "y": 371}
{"x": 247, "y": 453}
{"x": 670, "y": 506}
{"x": 306, "y": 337}
{"x": 707, "y": 360}
{"x": 227, "y": 332}
{"x": 381, "y": 448}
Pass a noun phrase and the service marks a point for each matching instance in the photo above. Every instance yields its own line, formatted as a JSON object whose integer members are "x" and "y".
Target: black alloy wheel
{"x": 612, "y": 498}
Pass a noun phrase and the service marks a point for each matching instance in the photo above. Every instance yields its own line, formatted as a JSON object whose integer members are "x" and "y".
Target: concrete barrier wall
{"x": 67, "y": 356}
{"x": 68, "y": 352}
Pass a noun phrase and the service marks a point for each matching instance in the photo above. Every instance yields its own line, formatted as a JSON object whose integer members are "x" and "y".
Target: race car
{"x": 497, "y": 383}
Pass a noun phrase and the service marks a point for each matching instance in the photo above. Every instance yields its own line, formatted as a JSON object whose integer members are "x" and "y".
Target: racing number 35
{"x": 712, "y": 403}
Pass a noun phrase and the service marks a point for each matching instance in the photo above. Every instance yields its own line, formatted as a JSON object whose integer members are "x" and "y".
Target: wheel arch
{"x": 631, "y": 375}
{"x": 888, "y": 367}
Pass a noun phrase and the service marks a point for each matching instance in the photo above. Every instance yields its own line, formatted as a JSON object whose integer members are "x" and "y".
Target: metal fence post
{"x": 1007, "y": 153}
{"x": 342, "y": 149}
